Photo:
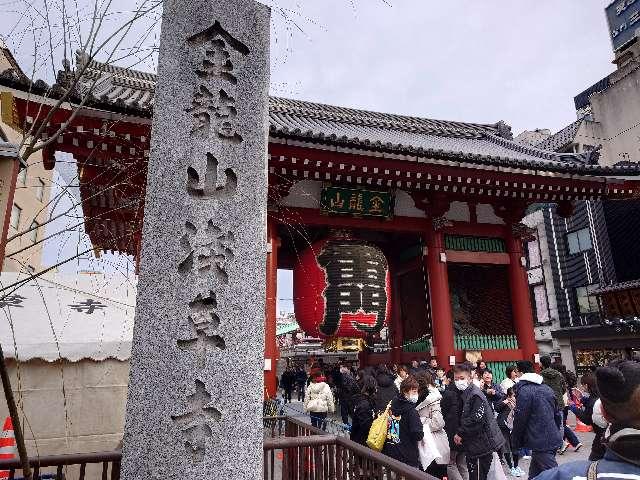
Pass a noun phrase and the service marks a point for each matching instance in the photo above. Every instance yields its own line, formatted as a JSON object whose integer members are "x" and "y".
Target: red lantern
{"x": 341, "y": 288}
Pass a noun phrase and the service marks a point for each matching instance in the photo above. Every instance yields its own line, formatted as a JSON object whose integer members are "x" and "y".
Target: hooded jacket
{"x": 404, "y": 432}
{"x": 557, "y": 382}
{"x": 386, "y": 392}
{"x": 621, "y": 460}
{"x": 537, "y": 421}
{"x": 318, "y": 398}
{"x": 363, "y": 414}
{"x": 431, "y": 416}
{"x": 478, "y": 428}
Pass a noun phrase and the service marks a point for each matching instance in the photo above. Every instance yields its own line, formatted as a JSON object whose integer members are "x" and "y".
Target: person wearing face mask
{"x": 585, "y": 413}
{"x": 404, "y": 427}
{"x": 478, "y": 433}
{"x": 451, "y": 405}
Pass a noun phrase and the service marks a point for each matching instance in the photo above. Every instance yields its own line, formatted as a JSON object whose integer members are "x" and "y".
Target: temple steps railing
{"x": 293, "y": 450}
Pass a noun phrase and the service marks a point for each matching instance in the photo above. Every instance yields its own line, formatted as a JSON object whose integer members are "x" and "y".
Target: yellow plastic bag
{"x": 378, "y": 431}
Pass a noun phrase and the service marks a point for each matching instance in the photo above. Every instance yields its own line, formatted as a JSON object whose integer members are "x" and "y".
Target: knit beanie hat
{"x": 619, "y": 386}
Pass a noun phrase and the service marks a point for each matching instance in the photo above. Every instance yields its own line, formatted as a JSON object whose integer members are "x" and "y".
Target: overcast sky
{"x": 521, "y": 61}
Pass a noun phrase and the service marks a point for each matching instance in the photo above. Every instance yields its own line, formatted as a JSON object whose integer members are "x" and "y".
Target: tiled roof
{"x": 564, "y": 137}
{"x": 316, "y": 122}
{"x": 125, "y": 90}
{"x": 410, "y": 135}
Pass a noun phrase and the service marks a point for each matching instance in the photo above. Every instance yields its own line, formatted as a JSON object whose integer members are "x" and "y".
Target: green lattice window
{"x": 486, "y": 342}
{"x": 474, "y": 244}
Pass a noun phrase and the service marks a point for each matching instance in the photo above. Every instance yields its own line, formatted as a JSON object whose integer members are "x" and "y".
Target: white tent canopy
{"x": 71, "y": 317}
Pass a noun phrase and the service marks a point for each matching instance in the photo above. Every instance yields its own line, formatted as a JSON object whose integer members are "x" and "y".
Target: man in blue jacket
{"x": 619, "y": 386}
{"x": 537, "y": 420}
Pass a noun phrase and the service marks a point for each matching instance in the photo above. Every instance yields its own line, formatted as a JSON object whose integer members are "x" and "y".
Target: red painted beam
{"x": 489, "y": 179}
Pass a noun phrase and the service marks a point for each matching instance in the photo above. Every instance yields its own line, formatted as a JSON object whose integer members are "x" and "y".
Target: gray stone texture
{"x": 194, "y": 406}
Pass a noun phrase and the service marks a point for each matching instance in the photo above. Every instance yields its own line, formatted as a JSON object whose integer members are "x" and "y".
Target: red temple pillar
{"x": 271, "y": 353}
{"x": 441, "y": 312}
{"x": 520, "y": 299}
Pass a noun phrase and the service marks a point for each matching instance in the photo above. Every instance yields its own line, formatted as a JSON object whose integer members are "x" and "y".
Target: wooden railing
{"x": 308, "y": 453}
{"x": 105, "y": 465}
{"x": 293, "y": 450}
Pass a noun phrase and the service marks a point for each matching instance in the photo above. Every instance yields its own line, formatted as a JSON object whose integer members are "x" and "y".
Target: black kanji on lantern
{"x": 88, "y": 306}
{"x": 12, "y": 301}
{"x": 356, "y": 282}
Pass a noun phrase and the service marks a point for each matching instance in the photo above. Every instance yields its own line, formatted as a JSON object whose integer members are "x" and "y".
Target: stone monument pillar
{"x": 194, "y": 409}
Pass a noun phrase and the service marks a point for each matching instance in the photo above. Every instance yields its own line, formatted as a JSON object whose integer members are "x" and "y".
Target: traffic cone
{"x": 7, "y": 444}
{"x": 581, "y": 427}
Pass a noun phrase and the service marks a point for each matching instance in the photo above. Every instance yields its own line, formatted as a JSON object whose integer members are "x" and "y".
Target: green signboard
{"x": 357, "y": 202}
{"x": 474, "y": 244}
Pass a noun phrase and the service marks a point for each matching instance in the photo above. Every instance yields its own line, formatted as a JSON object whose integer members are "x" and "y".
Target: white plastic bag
{"x": 427, "y": 449}
{"x": 496, "y": 472}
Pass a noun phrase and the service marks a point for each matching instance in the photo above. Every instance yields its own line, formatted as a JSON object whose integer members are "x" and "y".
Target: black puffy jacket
{"x": 363, "y": 414}
{"x": 478, "y": 427}
{"x": 404, "y": 432}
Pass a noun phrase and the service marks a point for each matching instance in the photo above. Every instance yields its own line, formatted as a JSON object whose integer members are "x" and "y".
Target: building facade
{"x": 32, "y": 186}
{"x": 596, "y": 248}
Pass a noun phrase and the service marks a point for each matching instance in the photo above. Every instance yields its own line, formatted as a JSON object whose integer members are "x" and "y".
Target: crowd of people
{"x": 455, "y": 424}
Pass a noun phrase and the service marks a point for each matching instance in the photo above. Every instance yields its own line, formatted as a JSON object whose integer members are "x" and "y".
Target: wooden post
{"x": 520, "y": 299}
{"x": 271, "y": 353}
{"x": 441, "y": 312}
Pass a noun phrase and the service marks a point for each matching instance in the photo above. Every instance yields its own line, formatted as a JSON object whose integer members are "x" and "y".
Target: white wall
{"x": 88, "y": 417}
{"x": 617, "y": 110}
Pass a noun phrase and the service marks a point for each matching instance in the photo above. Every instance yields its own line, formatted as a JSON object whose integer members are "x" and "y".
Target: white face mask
{"x": 462, "y": 385}
{"x": 413, "y": 398}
